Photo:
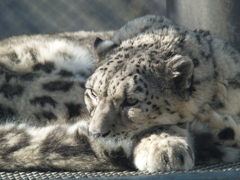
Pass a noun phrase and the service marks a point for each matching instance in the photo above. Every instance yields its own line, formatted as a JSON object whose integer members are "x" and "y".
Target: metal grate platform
{"x": 218, "y": 171}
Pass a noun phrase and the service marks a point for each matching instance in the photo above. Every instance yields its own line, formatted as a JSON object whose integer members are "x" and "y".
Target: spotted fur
{"x": 43, "y": 77}
{"x": 158, "y": 97}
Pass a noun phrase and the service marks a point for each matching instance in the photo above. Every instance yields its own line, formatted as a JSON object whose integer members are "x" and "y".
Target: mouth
{"x": 106, "y": 134}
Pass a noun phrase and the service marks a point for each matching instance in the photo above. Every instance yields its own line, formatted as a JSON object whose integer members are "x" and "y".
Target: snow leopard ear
{"x": 181, "y": 68}
{"x": 102, "y": 46}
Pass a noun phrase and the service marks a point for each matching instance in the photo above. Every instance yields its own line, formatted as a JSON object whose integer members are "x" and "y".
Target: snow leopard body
{"x": 158, "y": 97}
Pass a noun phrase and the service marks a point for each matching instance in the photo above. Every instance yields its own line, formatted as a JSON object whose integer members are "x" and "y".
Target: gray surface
{"x": 218, "y": 171}
{"x": 221, "y": 17}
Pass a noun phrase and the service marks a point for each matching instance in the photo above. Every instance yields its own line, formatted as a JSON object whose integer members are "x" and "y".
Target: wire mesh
{"x": 52, "y": 16}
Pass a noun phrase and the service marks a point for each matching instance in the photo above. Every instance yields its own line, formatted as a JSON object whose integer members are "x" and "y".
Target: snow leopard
{"x": 151, "y": 96}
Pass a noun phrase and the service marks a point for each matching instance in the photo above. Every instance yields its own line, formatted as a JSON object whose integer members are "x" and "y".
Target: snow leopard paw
{"x": 163, "y": 153}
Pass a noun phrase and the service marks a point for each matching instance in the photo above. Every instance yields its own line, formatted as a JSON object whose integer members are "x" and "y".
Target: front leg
{"x": 167, "y": 148}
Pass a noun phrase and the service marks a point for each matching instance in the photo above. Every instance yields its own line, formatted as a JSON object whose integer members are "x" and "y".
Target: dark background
{"x": 52, "y": 16}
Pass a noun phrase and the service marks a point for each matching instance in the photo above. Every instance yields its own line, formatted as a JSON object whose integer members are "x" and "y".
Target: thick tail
{"x": 59, "y": 147}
